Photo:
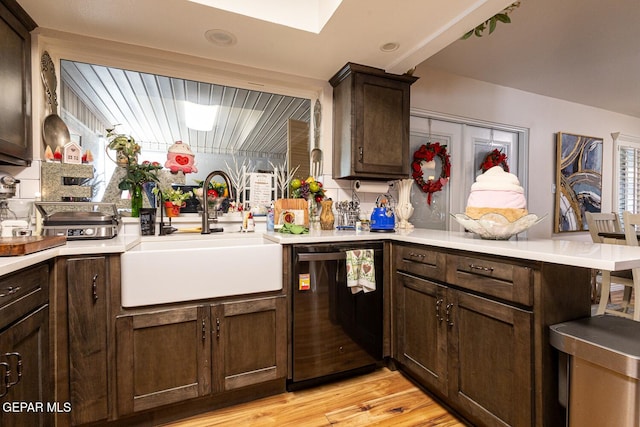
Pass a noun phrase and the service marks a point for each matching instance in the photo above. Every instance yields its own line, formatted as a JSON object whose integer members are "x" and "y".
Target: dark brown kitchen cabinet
{"x": 471, "y": 350}
{"x": 24, "y": 348}
{"x": 15, "y": 84}
{"x": 421, "y": 336}
{"x": 163, "y": 357}
{"x": 250, "y": 342}
{"x": 171, "y": 355}
{"x": 87, "y": 325}
{"x": 473, "y": 329}
{"x": 370, "y": 123}
{"x": 83, "y": 335}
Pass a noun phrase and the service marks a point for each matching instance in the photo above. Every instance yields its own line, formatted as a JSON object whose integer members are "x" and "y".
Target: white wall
{"x": 446, "y": 93}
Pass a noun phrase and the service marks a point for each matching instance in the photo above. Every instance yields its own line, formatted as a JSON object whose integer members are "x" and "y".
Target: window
{"x": 628, "y": 173}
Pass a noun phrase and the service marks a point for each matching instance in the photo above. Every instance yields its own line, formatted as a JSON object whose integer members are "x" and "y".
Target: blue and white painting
{"x": 578, "y": 180}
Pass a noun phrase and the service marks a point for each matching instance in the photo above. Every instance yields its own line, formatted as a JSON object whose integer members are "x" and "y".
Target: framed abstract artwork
{"x": 578, "y": 180}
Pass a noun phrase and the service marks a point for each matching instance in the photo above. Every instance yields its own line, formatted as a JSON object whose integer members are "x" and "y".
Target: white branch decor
{"x": 237, "y": 175}
{"x": 283, "y": 177}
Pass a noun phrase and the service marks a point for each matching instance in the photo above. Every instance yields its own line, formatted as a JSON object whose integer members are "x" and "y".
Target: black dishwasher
{"x": 335, "y": 332}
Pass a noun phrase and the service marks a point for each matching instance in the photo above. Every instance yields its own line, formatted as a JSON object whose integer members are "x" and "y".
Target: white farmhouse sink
{"x": 169, "y": 270}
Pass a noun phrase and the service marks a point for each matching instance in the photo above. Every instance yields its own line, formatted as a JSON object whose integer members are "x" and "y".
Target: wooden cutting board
{"x": 14, "y": 246}
{"x": 284, "y": 205}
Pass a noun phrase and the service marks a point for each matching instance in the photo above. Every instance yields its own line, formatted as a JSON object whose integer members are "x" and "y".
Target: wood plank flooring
{"x": 382, "y": 398}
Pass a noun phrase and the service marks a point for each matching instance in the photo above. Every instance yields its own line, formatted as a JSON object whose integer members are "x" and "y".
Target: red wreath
{"x": 427, "y": 153}
{"x": 494, "y": 158}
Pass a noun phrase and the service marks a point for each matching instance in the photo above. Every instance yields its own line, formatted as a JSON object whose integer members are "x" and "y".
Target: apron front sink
{"x": 171, "y": 270}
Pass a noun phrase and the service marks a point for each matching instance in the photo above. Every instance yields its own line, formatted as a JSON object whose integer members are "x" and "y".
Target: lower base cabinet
{"x": 26, "y": 344}
{"x": 26, "y": 393}
{"x": 472, "y": 351}
{"x": 171, "y": 355}
{"x": 80, "y": 318}
{"x": 473, "y": 329}
{"x": 162, "y": 357}
{"x": 86, "y": 298}
{"x": 249, "y": 343}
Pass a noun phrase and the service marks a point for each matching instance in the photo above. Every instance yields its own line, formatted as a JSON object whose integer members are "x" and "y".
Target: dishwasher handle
{"x": 328, "y": 256}
{"x": 322, "y": 256}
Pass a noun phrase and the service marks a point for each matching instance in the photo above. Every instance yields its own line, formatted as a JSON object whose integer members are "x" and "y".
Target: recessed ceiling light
{"x": 221, "y": 37}
{"x": 390, "y": 47}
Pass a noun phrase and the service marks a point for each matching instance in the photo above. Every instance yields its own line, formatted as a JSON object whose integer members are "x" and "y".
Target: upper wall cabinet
{"x": 370, "y": 123}
{"x": 15, "y": 84}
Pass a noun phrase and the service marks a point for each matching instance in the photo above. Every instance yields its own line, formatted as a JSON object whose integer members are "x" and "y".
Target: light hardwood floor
{"x": 383, "y": 398}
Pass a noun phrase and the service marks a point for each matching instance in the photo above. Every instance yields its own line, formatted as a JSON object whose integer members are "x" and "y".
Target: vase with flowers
{"x": 137, "y": 174}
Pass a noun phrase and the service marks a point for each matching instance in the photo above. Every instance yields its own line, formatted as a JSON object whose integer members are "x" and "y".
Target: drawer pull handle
{"x": 360, "y": 154}
{"x": 204, "y": 331}
{"x": 438, "y": 315}
{"x": 448, "y": 314}
{"x": 480, "y": 267}
{"x": 217, "y": 328}
{"x": 94, "y": 288}
{"x": 18, "y": 357}
{"x": 415, "y": 255}
{"x": 7, "y": 378}
{"x": 10, "y": 291}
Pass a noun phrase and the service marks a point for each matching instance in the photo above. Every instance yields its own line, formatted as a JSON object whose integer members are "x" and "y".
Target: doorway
{"x": 467, "y": 143}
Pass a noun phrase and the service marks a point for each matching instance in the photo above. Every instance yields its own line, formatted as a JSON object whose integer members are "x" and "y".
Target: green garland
{"x": 503, "y": 16}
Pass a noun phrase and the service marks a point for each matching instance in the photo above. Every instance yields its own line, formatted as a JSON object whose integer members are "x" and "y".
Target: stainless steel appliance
{"x": 79, "y": 220}
{"x": 335, "y": 332}
{"x": 7, "y": 190}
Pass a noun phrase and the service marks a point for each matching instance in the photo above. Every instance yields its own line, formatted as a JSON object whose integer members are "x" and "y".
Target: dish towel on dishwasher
{"x": 361, "y": 274}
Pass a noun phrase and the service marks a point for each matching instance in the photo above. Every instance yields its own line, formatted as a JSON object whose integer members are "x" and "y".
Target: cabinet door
{"x": 163, "y": 357}
{"x": 249, "y": 342}
{"x": 381, "y": 127}
{"x": 15, "y": 69}
{"x": 27, "y": 341}
{"x": 490, "y": 360}
{"x": 87, "y": 325}
{"x": 421, "y": 332}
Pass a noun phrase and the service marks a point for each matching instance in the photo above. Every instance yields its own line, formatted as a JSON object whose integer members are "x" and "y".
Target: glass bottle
{"x": 136, "y": 200}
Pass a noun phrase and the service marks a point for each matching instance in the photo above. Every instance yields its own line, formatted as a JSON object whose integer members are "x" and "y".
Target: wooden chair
{"x": 630, "y": 222}
{"x": 602, "y": 223}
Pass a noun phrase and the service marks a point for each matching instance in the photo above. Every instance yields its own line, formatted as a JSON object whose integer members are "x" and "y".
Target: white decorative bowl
{"x": 493, "y": 226}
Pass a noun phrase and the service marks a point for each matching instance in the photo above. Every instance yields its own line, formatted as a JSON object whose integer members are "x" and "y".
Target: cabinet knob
{"x": 7, "y": 379}
{"x": 480, "y": 267}
{"x": 448, "y": 314}
{"x": 10, "y": 290}
{"x": 94, "y": 287}
{"x": 438, "y": 315}
{"x": 6, "y": 366}
{"x": 18, "y": 365}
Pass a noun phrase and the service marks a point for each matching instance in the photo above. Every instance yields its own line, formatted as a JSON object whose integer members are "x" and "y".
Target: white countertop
{"x": 573, "y": 253}
{"x": 578, "y": 254}
{"x": 118, "y": 244}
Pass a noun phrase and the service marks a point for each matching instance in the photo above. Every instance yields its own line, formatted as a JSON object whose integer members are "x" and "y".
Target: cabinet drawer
{"x": 421, "y": 261}
{"x": 23, "y": 291}
{"x": 495, "y": 278}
